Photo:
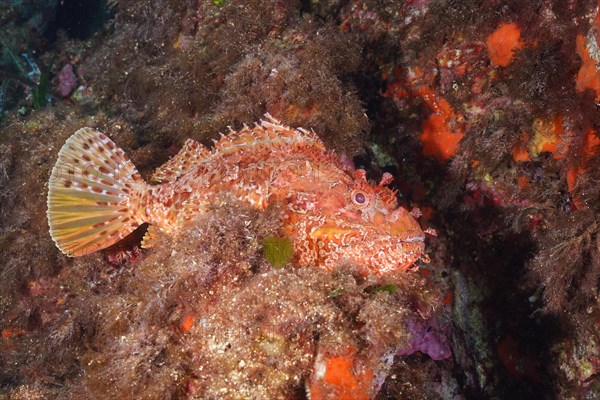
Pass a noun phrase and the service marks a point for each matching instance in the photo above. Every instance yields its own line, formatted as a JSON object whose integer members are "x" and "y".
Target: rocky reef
{"x": 485, "y": 112}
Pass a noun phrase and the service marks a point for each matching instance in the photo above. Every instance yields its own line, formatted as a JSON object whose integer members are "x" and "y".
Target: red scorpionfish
{"x": 97, "y": 197}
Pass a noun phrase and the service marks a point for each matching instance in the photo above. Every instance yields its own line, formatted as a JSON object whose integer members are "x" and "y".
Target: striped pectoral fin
{"x": 93, "y": 194}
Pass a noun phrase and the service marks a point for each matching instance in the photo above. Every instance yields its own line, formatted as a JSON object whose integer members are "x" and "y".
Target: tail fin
{"x": 94, "y": 194}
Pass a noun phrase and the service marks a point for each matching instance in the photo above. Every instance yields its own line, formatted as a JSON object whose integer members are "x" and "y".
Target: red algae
{"x": 519, "y": 365}
{"x": 440, "y": 136}
{"x": 588, "y": 76}
{"x": 578, "y": 168}
{"x": 503, "y": 43}
{"x": 519, "y": 151}
{"x": 339, "y": 378}
{"x": 441, "y": 130}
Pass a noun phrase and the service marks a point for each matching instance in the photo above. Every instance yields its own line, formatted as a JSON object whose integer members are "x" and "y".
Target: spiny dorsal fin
{"x": 93, "y": 196}
{"x": 268, "y": 136}
{"x": 188, "y": 157}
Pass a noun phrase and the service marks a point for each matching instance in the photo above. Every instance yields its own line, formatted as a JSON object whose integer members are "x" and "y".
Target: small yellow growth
{"x": 548, "y": 137}
{"x": 545, "y": 138}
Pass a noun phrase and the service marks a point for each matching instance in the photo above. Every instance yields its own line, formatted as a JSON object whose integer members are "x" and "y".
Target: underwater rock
{"x": 484, "y": 112}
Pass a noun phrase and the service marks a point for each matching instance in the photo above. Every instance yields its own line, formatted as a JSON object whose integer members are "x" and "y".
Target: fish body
{"x": 331, "y": 213}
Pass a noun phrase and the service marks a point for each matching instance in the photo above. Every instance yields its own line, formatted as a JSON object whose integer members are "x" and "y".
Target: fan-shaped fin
{"x": 94, "y": 193}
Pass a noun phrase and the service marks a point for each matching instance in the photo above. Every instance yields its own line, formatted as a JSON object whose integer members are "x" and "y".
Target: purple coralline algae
{"x": 67, "y": 80}
{"x": 427, "y": 340}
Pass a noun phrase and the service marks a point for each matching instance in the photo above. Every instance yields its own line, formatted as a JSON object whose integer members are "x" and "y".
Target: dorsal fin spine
{"x": 191, "y": 154}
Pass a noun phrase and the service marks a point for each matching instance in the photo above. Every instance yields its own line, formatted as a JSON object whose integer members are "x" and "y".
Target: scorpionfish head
{"x": 365, "y": 225}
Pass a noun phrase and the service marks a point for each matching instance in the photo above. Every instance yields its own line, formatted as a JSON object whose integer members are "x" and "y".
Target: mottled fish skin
{"x": 97, "y": 197}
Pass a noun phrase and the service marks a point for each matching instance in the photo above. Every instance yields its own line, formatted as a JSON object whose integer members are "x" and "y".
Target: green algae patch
{"x": 336, "y": 292}
{"x": 39, "y": 93}
{"x": 278, "y": 250}
{"x": 384, "y": 288}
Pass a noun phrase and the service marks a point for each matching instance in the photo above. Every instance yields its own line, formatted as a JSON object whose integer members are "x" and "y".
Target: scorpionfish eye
{"x": 359, "y": 198}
